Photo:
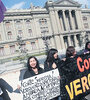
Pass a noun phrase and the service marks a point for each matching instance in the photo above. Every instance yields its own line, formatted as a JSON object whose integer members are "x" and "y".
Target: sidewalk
{"x": 12, "y": 78}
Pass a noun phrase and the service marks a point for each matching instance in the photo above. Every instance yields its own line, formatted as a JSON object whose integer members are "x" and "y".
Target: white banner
{"x": 41, "y": 87}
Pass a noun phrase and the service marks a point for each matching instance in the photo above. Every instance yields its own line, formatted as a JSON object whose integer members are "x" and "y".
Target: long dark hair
{"x": 70, "y": 51}
{"x": 86, "y": 46}
{"x": 50, "y": 55}
{"x": 28, "y": 63}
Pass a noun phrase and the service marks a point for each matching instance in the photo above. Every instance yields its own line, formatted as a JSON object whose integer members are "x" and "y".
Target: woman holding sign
{"x": 33, "y": 68}
{"x": 52, "y": 62}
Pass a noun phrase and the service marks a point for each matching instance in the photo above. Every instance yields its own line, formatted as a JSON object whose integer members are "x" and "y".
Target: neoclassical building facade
{"x": 59, "y": 24}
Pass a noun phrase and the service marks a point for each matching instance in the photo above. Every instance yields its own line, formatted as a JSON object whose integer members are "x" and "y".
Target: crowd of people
{"x": 52, "y": 62}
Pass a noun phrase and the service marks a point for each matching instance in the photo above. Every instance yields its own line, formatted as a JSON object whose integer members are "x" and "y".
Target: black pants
{"x": 4, "y": 95}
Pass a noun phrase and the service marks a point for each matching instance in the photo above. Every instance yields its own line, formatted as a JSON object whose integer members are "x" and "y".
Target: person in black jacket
{"x": 68, "y": 72}
{"x": 33, "y": 68}
{"x": 4, "y": 87}
{"x": 52, "y": 62}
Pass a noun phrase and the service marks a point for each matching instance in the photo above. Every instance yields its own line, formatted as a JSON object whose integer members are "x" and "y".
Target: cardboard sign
{"x": 41, "y": 87}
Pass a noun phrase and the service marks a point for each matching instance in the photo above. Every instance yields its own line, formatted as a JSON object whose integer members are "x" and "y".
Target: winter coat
{"x": 30, "y": 73}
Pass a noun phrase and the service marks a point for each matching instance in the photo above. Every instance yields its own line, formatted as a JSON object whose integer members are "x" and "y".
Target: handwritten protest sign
{"x": 75, "y": 77}
{"x": 41, "y": 87}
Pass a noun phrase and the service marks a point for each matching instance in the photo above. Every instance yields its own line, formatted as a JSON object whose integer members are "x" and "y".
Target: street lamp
{"x": 22, "y": 51}
{"x": 45, "y": 38}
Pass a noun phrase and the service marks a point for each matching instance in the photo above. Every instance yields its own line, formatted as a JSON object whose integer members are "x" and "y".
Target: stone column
{"x": 77, "y": 19}
{"x": 15, "y": 32}
{"x": 24, "y": 29}
{"x": 81, "y": 20}
{"x": 62, "y": 42}
{"x": 3, "y": 32}
{"x": 58, "y": 44}
{"x": 57, "y": 21}
{"x": 64, "y": 17}
{"x": 69, "y": 40}
{"x": 76, "y": 42}
{"x": 61, "y": 24}
{"x": 71, "y": 20}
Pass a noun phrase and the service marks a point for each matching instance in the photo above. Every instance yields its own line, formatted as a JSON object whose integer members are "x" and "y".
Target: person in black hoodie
{"x": 52, "y": 62}
{"x": 33, "y": 68}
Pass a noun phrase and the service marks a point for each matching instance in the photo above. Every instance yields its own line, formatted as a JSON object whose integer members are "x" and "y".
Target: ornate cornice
{"x": 63, "y": 3}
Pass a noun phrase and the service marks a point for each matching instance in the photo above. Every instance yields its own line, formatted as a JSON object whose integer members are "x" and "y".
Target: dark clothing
{"x": 4, "y": 95}
{"x": 67, "y": 73}
{"x": 30, "y": 73}
{"x": 48, "y": 65}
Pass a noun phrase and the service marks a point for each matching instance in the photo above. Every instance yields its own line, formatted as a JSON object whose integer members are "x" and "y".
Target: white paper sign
{"x": 41, "y": 87}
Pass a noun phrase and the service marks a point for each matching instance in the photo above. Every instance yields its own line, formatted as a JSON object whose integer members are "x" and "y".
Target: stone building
{"x": 58, "y": 25}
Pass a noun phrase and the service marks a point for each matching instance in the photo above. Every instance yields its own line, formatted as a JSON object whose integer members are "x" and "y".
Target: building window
{"x": 33, "y": 45}
{"x": 28, "y": 23}
{"x": 12, "y": 49}
{"x": 43, "y": 26}
{"x": 2, "y": 51}
{"x": 42, "y": 21}
{"x": 86, "y": 25}
{"x": 20, "y": 33}
{"x": 66, "y": 41}
{"x": 23, "y": 46}
{"x": 44, "y": 29}
{"x": 18, "y": 24}
{"x": 84, "y": 18}
{"x": 30, "y": 32}
{"x": 9, "y": 35}
{"x": 7, "y": 24}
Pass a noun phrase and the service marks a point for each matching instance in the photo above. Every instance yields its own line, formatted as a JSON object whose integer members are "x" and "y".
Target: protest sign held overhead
{"x": 41, "y": 87}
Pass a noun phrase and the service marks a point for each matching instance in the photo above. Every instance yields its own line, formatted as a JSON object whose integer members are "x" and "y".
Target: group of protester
{"x": 52, "y": 62}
